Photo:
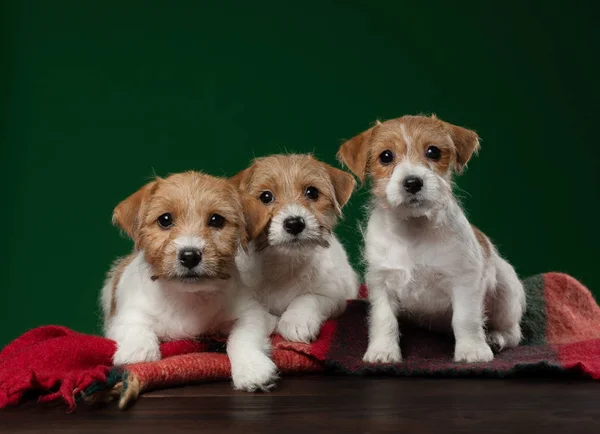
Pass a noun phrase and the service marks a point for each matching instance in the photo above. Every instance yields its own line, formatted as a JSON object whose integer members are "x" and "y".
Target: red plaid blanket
{"x": 561, "y": 328}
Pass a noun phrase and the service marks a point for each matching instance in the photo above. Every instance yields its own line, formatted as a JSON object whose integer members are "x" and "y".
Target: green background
{"x": 96, "y": 96}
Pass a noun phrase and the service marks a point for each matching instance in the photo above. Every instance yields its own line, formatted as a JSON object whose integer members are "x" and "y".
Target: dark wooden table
{"x": 338, "y": 404}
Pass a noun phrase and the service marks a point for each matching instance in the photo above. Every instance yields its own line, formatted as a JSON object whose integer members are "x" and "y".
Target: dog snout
{"x": 294, "y": 225}
{"x": 412, "y": 184}
{"x": 190, "y": 257}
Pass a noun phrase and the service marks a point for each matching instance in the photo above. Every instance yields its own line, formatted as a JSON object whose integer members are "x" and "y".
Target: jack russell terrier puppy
{"x": 181, "y": 281}
{"x": 425, "y": 261}
{"x": 297, "y": 267}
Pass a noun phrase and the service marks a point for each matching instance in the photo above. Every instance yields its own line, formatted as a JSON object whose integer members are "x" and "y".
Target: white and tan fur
{"x": 425, "y": 262}
{"x": 152, "y": 296}
{"x": 303, "y": 279}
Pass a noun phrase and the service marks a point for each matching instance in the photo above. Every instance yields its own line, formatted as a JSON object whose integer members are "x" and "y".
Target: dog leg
{"x": 506, "y": 307}
{"x": 135, "y": 343}
{"x": 468, "y": 323}
{"x": 302, "y": 320}
{"x": 248, "y": 347}
{"x": 384, "y": 332}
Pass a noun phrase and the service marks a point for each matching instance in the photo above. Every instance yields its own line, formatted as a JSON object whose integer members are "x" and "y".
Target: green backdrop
{"x": 97, "y": 96}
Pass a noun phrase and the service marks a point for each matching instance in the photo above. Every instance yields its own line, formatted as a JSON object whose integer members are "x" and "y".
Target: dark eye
{"x": 165, "y": 221}
{"x": 312, "y": 193}
{"x": 216, "y": 221}
{"x": 386, "y": 157}
{"x": 266, "y": 197}
{"x": 433, "y": 153}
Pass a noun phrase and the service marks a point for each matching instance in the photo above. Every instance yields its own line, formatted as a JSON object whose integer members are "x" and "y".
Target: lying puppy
{"x": 298, "y": 268}
{"x": 424, "y": 258}
{"x": 181, "y": 281}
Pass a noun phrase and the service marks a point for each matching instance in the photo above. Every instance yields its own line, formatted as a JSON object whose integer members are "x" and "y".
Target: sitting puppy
{"x": 181, "y": 280}
{"x": 298, "y": 268}
{"x": 425, "y": 261}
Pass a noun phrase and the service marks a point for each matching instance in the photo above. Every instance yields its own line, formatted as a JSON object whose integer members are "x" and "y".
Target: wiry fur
{"x": 306, "y": 279}
{"x": 149, "y": 297}
{"x": 425, "y": 262}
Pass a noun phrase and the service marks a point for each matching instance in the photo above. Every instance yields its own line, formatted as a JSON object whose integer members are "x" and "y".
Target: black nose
{"x": 189, "y": 258}
{"x": 294, "y": 225}
{"x": 412, "y": 184}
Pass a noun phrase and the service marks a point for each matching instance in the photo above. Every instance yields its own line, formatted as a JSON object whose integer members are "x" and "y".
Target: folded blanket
{"x": 561, "y": 336}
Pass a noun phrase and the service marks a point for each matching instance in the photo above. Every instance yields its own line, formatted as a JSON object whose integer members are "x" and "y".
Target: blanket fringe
{"x": 104, "y": 396}
{"x": 130, "y": 391}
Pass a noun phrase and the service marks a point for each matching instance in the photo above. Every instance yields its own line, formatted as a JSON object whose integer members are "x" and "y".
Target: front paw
{"x": 383, "y": 354}
{"x": 136, "y": 352}
{"x": 473, "y": 352}
{"x": 256, "y": 372}
{"x": 296, "y": 329}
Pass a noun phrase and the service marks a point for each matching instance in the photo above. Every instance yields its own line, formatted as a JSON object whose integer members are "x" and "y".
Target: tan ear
{"x": 466, "y": 143}
{"x": 256, "y": 216}
{"x": 343, "y": 185}
{"x": 355, "y": 153}
{"x": 240, "y": 179}
{"x": 127, "y": 213}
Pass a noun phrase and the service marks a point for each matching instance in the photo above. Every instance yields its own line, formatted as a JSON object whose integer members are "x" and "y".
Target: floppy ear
{"x": 466, "y": 143}
{"x": 355, "y": 153}
{"x": 343, "y": 185}
{"x": 256, "y": 217}
{"x": 127, "y": 213}
{"x": 240, "y": 179}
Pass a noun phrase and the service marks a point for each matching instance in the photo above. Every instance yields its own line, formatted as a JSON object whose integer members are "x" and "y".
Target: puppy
{"x": 424, "y": 260}
{"x": 181, "y": 281}
{"x": 297, "y": 267}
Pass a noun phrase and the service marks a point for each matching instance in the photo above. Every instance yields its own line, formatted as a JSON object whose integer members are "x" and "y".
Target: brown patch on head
{"x": 484, "y": 242}
{"x": 408, "y": 137}
{"x": 288, "y": 177}
{"x": 191, "y": 198}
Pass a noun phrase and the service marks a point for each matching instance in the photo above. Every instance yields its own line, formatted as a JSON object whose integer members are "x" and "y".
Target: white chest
{"x": 276, "y": 298}
{"x": 282, "y": 278}
{"x": 418, "y": 272}
{"x": 426, "y": 291}
{"x": 173, "y": 310}
{"x": 188, "y": 315}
